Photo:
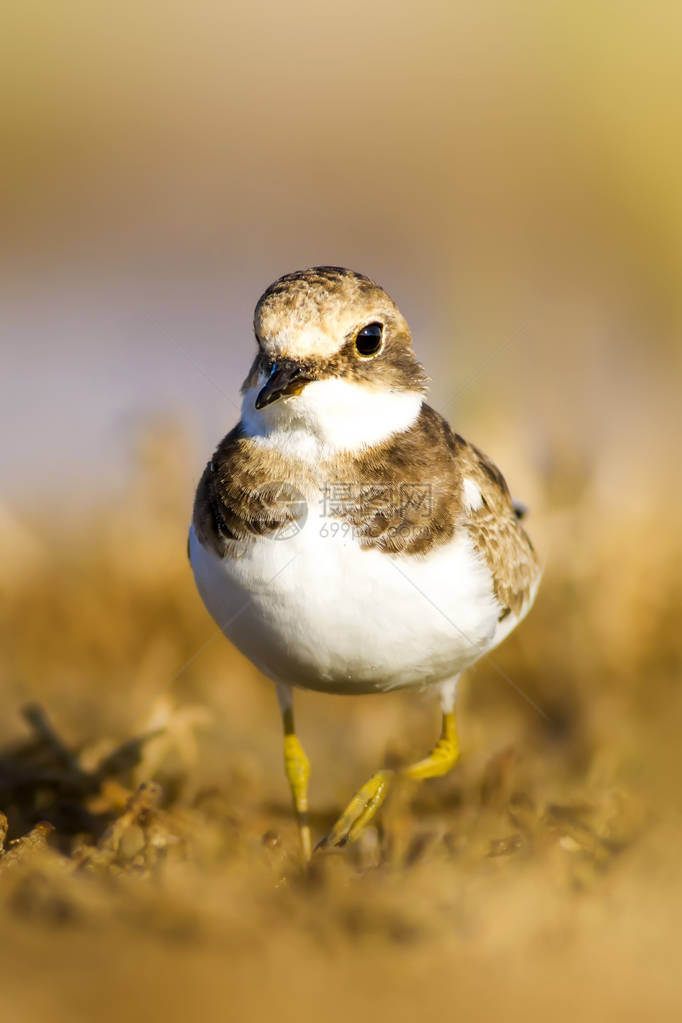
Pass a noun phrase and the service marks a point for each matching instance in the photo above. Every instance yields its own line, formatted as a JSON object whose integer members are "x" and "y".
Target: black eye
{"x": 368, "y": 340}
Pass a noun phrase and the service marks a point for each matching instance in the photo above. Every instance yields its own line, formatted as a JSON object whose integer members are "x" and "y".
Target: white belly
{"x": 318, "y": 611}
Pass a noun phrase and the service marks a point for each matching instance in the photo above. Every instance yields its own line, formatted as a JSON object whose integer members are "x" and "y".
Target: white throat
{"x": 330, "y": 416}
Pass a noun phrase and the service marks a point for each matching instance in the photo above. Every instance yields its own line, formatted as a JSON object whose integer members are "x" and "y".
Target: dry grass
{"x": 150, "y": 869}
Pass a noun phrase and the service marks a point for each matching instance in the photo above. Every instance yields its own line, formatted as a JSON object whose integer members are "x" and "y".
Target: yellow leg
{"x": 297, "y": 767}
{"x": 367, "y": 801}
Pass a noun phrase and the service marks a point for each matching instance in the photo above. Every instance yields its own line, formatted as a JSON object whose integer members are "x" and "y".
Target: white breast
{"x": 318, "y": 611}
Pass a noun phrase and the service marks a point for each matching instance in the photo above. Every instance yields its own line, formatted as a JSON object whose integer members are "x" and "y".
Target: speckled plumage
{"x": 234, "y": 505}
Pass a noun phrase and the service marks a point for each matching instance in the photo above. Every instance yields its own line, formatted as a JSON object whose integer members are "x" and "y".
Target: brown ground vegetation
{"x": 150, "y": 866}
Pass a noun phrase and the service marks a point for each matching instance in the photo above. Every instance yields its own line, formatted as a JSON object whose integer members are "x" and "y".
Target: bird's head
{"x": 335, "y": 360}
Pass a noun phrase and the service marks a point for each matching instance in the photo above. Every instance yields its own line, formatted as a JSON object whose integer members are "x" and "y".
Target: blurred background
{"x": 510, "y": 174}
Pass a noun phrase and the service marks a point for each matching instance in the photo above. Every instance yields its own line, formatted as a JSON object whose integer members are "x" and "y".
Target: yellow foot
{"x": 365, "y": 804}
{"x": 359, "y": 811}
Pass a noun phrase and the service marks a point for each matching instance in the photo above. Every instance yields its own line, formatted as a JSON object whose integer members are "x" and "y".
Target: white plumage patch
{"x": 303, "y": 341}
{"x": 473, "y": 499}
{"x": 330, "y": 416}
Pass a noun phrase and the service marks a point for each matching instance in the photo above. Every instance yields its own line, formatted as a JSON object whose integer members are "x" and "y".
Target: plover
{"x": 344, "y": 538}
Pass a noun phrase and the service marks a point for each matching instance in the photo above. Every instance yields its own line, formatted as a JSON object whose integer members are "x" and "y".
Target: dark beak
{"x": 286, "y": 378}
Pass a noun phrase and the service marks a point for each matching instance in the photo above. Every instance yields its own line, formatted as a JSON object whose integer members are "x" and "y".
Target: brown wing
{"x": 497, "y": 533}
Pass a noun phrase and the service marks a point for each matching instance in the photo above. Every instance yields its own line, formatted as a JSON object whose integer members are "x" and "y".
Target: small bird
{"x": 343, "y": 537}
